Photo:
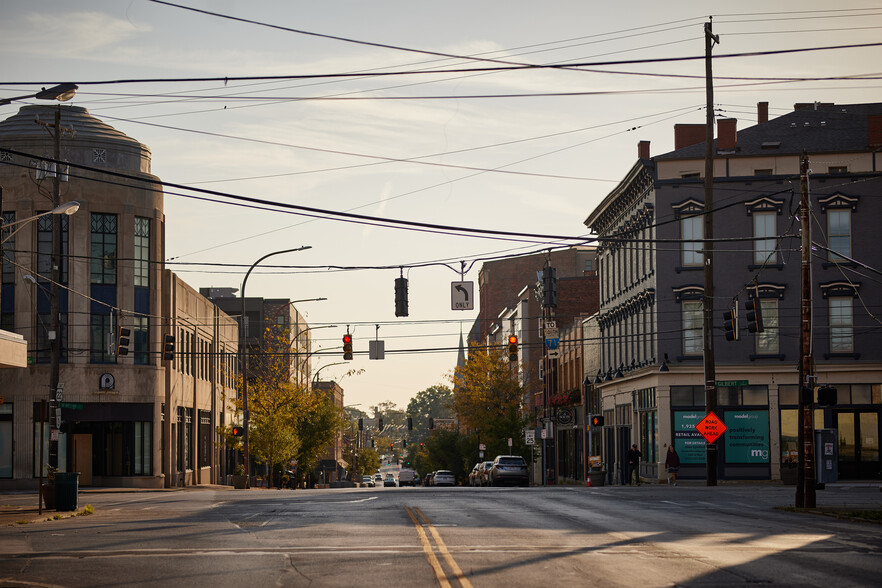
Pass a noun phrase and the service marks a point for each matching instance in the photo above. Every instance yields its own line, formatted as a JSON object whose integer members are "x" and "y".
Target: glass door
{"x": 858, "y": 444}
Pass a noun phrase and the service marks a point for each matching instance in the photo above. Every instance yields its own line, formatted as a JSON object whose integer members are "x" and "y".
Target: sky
{"x": 366, "y": 123}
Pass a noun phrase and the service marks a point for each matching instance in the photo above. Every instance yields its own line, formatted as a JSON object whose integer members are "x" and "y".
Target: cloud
{"x": 79, "y": 33}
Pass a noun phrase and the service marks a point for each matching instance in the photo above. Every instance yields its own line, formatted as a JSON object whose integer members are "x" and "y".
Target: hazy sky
{"x": 417, "y": 146}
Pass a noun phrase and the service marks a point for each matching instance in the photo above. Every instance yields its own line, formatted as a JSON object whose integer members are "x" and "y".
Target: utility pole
{"x": 805, "y": 482}
{"x": 54, "y": 319}
{"x": 710, "y": 371}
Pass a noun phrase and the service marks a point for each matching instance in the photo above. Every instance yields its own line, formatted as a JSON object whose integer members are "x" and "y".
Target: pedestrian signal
{"x": 597, "y": 421}
{"x": 238, "y": 431}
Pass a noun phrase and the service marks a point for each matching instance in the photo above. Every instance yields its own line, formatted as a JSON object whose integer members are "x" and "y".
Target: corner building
{"x": 651, "y": 263}
{"x": 134, "y": 420}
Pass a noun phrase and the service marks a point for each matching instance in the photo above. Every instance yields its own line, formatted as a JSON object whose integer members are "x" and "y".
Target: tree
{"x": 487, "y": 400}
{"x": 317, "y": 427}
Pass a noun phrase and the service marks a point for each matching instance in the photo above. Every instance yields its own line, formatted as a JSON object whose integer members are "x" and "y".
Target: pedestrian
{"x": 634, "y": 456}
{"x": 672, "y": 463}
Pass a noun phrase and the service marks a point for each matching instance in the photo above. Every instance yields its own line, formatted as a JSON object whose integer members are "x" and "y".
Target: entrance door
{"x": 858, "y": 444}
{"x": 82, "y": 454}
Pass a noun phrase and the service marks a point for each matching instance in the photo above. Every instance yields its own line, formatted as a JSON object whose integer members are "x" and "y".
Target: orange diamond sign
{"x": 711, "y": 427}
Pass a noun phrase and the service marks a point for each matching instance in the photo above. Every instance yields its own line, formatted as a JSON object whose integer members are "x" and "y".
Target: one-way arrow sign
{"x": 462, "y": 295}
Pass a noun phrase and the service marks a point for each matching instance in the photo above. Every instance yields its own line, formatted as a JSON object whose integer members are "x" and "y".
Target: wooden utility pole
{"x": 805, "y": 482}
{"x": 710, "y": 371}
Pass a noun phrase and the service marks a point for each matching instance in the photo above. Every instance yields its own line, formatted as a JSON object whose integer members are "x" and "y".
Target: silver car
{"x": 509, "y": 469}
{"x": 443, "y": 478}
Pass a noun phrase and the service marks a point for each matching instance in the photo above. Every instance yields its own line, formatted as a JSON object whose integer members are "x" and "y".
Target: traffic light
{"x": 401, "y": 296}
{"x": 361, "y": 424}
{"x": 373, "y": 444}
{"x": 410, "y": 423}
{"x": 431, "y": 423}
{"x": 754, "y": 315}
{"x": 380, "y": 424}
{"x": 168, "y": 348}
{"x": 238, "y": 431}
{"x": 549, "y": 287}
{"x": 730, "y": 323}
{"x": 404, "y": 442}
{"x": 122, "y": 347}
{"x": 597, "y": 420}
{"x": 512, "y": 348}
{"x": 392, "y": 447}
{"x": 347, "y": 346}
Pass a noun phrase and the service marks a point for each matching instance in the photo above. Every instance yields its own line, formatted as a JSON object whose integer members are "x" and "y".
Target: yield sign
{"x": 711, "y": 427}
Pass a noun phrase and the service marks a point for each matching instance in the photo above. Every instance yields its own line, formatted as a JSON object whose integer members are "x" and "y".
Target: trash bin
{"x": 67, "y": 485}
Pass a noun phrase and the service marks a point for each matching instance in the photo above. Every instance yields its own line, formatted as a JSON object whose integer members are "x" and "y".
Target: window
{"x": 764, "y": 232}
{"x": 143, "y": 448}
{"x": 762, "y": 172}
{"x": 44, "y": 247}
{"x": 837, "y": 169}
{"x": 6, "y": 440}
{"x": 103, "y": 249}
{"x": 692, "y": 328}
{"x": 142, "y": 251}
{"x": 204, "y": 438}
{"x": 8, "y": 272}
{"x": 589, "y": 265}
{"x": 100, "y": 339}
{"x": 841, "y": 325}
{"x": 767, "y": 340}
{"x": 141, "y": 339}
{"x": 839, "y": 233}
{"x": 692, "y": 229}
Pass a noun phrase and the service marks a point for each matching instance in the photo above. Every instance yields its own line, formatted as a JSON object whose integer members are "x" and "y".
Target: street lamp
{"x": 68, "y": 208}
{"x": 243, "y": 346}
{"x": 315, "y": 376}
{"x": 305, "y": 359}
{"x": 61, "y": 92}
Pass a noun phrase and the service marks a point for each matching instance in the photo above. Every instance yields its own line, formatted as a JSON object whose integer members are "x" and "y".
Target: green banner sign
{"x": 747, "y": 440}
{"x": 690, "y": 445}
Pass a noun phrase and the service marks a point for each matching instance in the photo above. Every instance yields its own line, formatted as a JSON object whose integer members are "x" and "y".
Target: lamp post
{"x": 315, "y": 376}
{"x": 243, "y": 346}
{"x": 305, "y": 359}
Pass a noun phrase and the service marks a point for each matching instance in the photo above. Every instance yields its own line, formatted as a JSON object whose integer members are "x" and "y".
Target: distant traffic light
{"x": 238, "y": 431}
{"x": 347, "y": 346}
{"x": 380, "y": 424}
{"x": 361, "y": 424}
{"x": 754, "y": 314}
{"x": 730, "y": 323}
{"x": 168, "y": 348}
{"x": 373, "y": 444}
{"x": 597, "y": 420}
{"x": 549, "y": 287}
{"x": 410, "y": 423}
{"x": 404, "y": 442}
{"x": 401, "y": 296}
{"x": 122, "y": 347}
{"x": 512, "y": 348}
{"x": 431, "y": 423}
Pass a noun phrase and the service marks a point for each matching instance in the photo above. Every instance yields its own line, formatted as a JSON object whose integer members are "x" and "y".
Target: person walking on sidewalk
{"x": 672, "y": 463}
{"x": 634, "y": 456}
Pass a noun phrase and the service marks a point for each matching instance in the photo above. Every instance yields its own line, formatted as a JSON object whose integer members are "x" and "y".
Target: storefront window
{"x": 5, "y": 440}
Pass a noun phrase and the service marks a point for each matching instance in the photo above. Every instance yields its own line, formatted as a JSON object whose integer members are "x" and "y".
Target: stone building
{"x": 120, "y": 419}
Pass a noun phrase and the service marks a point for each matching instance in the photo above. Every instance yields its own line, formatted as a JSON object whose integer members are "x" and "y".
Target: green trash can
{"x": 67, "y": 485}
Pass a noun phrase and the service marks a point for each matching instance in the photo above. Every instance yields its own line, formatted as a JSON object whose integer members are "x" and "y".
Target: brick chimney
{"x": 727, "y": 134}
{"x": 688, "y": 134}
{"x": 643, "y": 149}
{"x": 874, "y": 130}
{"x": 762, "y": 112}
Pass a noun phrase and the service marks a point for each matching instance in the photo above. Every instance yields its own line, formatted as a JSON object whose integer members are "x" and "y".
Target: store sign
{"x": 565, "y": 416}
{"x": 747, "y": 440}
{"x": 690, "y": 445}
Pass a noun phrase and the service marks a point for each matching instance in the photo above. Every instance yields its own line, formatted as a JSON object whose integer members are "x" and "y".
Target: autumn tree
{"x": 487, "y": 400}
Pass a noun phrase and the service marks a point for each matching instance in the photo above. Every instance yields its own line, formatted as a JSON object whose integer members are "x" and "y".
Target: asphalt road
{"x": 554, "y": 536}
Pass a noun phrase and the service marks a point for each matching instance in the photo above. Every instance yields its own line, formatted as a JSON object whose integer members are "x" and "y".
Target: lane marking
{"x": 442, "y": 547}
{"x": 427, "y": 549}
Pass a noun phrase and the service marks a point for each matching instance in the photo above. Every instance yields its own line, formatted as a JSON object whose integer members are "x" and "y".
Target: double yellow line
{"x": 440, "y": 575}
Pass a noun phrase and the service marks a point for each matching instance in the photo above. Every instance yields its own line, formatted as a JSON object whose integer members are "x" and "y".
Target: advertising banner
{"x": 690, "y": 445}
{"x": 747, "y": 440}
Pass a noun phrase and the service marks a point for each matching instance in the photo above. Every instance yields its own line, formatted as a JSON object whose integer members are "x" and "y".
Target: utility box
{"x": 826, "y": 456}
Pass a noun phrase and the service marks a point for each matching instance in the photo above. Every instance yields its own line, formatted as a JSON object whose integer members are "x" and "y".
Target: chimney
{"x": 643, "y": 149}
{"x": 688, "y": 134}
{"x": 762, "y": 112}
{"x": 727, "y": 134}
{"x": 874, "y": 130}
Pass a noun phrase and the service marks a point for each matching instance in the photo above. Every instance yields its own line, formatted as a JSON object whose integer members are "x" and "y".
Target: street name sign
{"x": 711, "y": 427}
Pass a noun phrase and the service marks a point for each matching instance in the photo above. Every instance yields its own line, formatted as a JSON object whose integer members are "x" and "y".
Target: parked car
{"x": 509, "y": 469}
{"x": 378, "y": 478}
{"x": 389, "y": 480}
{"x": 484, "y": 474}
{"x": 443, "y": 478}
{"x": 368, "y": 481}
{"x": 427, "y": 481}
{"x": 475, "y": 474}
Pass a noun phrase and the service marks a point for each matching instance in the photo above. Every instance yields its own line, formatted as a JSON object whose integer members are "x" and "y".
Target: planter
{"x": 597, "y": 477}
{"x": 788, "y": 476}
{"x": 48, "y": 492}
{"x": 240, "y": 482}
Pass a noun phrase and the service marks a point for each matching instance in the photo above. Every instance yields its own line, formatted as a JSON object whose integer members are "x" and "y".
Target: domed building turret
{"x": 117, "y": 402}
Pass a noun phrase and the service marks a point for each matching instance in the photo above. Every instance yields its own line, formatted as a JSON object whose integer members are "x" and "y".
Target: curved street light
{"x": 243, "y": 346}
{"x": 68, "y": 208}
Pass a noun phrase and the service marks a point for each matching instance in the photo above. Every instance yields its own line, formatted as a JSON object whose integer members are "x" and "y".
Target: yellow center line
{"x": 463, "y": 581}
{"x": 427, "y": 548}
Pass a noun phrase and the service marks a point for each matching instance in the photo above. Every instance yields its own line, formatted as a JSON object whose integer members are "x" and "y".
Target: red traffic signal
{"x": 512, "y": 348}
{"x": 347, "y": 346}
{"x": 238, "y": 431}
